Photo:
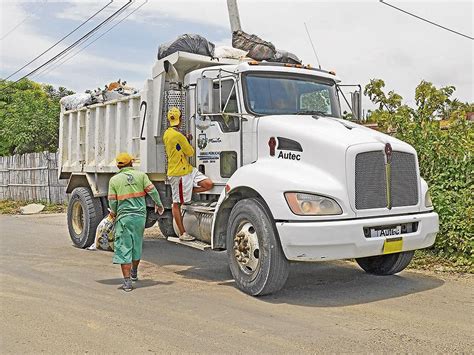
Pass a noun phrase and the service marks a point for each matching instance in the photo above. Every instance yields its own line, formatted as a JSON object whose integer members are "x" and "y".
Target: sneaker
{"x": 185, "y": 237}
{"x": 127, "y": 285}
{"x": 134, "y": 275}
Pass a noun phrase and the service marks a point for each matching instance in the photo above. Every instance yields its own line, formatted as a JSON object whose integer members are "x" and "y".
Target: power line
{"x": 20, "y": 23}
{"x": 68, "y": 58}
{"x": 79, "y": 41}
{"x": 431, "y": 22}
{"x": 62, "y": 39}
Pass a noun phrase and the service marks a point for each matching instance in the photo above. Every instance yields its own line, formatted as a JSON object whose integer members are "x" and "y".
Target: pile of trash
{"x": 113, "y": 91}
{"x": 244, "y": 45}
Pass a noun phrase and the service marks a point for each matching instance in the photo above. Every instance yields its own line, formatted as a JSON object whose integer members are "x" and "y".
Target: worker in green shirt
{"x": 127, "y": 191}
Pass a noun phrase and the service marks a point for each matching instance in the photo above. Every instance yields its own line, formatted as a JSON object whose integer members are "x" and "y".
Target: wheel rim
{"x": 77, "y": 217}
{"x": 246, "y": 248}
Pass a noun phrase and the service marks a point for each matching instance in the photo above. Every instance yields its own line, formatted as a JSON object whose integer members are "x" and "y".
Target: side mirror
{"x": 204, "y": 95}
{"x": 356, "y": 101}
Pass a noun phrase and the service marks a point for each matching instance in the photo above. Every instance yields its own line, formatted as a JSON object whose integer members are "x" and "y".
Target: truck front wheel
{"x": 386, "y": 264}
{"x": 84, "y": 214}
{"x": 256, "y": 259}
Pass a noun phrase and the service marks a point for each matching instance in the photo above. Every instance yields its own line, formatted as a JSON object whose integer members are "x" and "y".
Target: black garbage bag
{"x": 282, "y": 56}
{"x": 187, "y": 42}
{"x": 257, "y": 48}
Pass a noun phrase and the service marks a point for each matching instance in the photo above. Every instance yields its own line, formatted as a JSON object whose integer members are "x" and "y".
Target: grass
{"x": 427, "y": 260}
{"x": 13, "y": 207}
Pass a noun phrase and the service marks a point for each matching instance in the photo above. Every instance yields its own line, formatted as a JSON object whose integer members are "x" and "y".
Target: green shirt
{"x": 127, "y": 191}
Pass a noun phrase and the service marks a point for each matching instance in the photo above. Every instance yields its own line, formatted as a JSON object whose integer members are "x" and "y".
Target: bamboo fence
{"x": 31, "y": 177}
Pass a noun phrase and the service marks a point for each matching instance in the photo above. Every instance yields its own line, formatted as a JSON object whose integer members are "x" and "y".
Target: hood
{"x": 318, "y": 152}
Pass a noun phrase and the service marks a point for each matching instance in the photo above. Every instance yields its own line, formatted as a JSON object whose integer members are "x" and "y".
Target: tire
{"x": 165, "y": 222}
{"x": 84, "y": 214}
{"x": 151, "y": 217}
{"x": 386, "y": 264}
{"x": 255, "y": 257}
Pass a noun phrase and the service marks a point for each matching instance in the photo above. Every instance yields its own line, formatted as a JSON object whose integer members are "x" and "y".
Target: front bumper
{"x": 332, "y": 240}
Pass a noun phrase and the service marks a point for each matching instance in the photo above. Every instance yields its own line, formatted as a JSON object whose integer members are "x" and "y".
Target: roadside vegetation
{"x": 443, "y": 137}
{"x": 13, "y": 207}
{"x": 29, "y": 117}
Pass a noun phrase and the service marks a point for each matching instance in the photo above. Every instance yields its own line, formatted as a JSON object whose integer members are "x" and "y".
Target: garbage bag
{"x": 191, "y": 43}
{"x": 257, "y": 48}
{"x": 104, "y": 235}
{"x": 282, "y": 56}
{"x": 230, "y": 52}
{"x": 75, "y": 101}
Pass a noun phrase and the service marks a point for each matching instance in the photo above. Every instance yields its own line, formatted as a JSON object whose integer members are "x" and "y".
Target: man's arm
{"x": 187, "y": 148}
{"x": 151, "y": 190}
{"x": 112, "y": 197}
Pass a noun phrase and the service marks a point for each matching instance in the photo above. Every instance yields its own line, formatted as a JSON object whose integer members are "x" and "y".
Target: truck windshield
{"x": 281, "y": 94}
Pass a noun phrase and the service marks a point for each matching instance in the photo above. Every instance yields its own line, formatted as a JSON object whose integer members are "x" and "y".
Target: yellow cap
{"x": 123, "y": 159}
{"x": 173, "y": 116}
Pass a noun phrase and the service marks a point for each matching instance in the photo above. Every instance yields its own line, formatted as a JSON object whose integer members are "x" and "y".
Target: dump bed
{"x": 91, "y": 136}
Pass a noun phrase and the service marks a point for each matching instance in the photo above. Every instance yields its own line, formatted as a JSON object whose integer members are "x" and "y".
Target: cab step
{"x": 196, "y": 244}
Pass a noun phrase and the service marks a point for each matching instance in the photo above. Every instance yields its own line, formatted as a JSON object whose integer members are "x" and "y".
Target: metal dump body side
{"x": 90, "y": 137}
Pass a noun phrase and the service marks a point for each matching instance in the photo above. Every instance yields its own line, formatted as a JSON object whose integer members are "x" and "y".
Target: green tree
{"x": 29, "y": 117}
{"x": 445, "y": 154}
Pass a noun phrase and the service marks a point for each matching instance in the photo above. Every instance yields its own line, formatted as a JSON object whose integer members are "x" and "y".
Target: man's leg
{"x": 134, "y": 270}
{"x": 123, "y": 251}
{"x": 177, "y": 217}
{"x": 126, "y": 270}
{"x": 204, "y": 185}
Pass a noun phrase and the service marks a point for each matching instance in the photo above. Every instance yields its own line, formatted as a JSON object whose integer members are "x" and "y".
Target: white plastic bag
{"x": 229, "y": 52}
{"x": 75, "y": 101}
{"x": 104, "y": 236}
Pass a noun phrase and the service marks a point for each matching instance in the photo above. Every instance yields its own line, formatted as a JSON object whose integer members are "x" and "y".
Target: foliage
{"x": 446, "y": 157}
{"x": 13, "y": 207}
{"x": 29, "y": 117}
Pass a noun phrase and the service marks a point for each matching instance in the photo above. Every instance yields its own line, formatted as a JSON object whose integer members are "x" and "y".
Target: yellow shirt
{"x": 178, "y": 150}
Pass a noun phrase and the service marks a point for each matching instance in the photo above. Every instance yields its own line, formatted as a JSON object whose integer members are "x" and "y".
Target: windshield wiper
{"x": 312, "y": 112}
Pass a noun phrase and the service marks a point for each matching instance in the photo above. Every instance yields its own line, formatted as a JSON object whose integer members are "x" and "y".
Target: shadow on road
{"x": 319, "y": 284}
{"x": 139, "y": 284}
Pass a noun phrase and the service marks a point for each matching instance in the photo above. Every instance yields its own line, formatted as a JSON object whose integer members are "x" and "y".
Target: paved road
{"x": 56, "y": 298}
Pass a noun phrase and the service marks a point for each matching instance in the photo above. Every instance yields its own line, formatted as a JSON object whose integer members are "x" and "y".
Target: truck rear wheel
{"x": 165, "y": 222}
{"x": 386, "y": 264}
{"x": 256, "y": 259}
{"x": 84, "y": 214}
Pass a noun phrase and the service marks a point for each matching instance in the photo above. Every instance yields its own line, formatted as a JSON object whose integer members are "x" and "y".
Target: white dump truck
{"x": 293, "y": 181}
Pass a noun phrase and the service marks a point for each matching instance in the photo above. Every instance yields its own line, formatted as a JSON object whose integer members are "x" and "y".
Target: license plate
{"x": 393, "y": 245}
{"x": 387, "y": 232}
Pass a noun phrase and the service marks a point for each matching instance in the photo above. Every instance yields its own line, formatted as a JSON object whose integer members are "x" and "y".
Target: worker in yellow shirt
{"x": 184, "y": 178}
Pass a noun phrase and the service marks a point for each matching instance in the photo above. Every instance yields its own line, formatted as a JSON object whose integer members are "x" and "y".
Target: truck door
{"x": 218, "y": 148}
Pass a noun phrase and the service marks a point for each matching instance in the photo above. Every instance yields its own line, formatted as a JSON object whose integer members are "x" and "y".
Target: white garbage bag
{"x": 229, "y": 52}
{"x": 104, "y": 236}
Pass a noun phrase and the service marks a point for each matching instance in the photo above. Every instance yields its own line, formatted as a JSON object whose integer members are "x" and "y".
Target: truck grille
{"x": 404, "y": 183}
{"x": 371, "y": 182}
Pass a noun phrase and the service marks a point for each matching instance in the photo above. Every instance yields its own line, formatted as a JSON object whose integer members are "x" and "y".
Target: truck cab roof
{"x": 186, "y": 63}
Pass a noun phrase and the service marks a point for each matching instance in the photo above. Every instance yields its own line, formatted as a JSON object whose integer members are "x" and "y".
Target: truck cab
{"x": 293, "y": 181}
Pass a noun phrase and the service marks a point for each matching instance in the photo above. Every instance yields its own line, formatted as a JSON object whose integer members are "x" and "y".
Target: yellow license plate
{"x": 393, "y": 245}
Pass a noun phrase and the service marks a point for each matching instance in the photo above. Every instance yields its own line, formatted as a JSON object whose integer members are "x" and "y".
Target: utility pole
{"x": 234, "y": 16}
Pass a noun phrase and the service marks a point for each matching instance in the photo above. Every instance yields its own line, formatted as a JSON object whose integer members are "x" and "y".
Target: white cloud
{"x": 358, "y": 39}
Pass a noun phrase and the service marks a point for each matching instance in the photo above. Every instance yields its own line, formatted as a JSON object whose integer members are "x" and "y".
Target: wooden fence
{"x": 31, "y": 177}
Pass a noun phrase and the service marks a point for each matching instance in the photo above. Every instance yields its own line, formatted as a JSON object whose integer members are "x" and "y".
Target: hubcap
{"x": 246, "y": 249}
{"x": 77, "y": 217}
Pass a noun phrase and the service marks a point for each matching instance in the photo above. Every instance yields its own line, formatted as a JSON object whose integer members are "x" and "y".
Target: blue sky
{"x": 359, "y": 39}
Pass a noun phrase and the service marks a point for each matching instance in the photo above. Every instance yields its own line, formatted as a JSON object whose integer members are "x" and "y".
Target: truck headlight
{"x": 311, "y": 205}
{"x": 428, "y": 202}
